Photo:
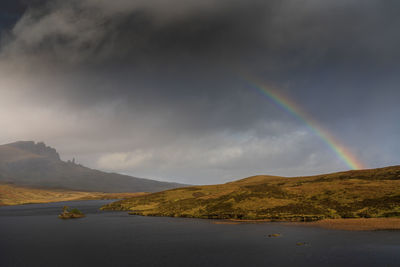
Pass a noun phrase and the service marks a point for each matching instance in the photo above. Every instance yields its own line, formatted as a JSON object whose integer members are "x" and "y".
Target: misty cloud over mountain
{"x": 156, "y": 88}
{"x": 33, "y": 164}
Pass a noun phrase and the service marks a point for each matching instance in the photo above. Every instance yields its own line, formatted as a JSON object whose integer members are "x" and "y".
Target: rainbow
{"x": 292, "y": 108}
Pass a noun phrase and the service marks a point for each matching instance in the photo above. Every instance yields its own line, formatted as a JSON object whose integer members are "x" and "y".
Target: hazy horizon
{"x": 161, "y": 90}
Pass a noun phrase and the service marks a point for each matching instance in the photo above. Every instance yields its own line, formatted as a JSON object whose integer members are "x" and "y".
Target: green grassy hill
{"x": 352, "y": 194}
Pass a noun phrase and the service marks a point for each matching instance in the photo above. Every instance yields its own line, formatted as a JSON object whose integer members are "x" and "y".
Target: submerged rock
{"x": 274, "y": 235}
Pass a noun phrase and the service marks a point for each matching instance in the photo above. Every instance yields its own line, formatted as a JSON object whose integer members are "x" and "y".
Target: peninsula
{"x": 372, "y": 193}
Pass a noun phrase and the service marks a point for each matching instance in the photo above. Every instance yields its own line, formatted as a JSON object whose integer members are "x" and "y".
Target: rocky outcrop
{"x": 38, "y": 148}
{"x": 33, "y": 164}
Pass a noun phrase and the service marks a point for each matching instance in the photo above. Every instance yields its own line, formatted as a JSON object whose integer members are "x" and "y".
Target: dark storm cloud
{"x": 288, "y": 33}
{"x": 185, "y": 43}
{"x": 160, "y": 80}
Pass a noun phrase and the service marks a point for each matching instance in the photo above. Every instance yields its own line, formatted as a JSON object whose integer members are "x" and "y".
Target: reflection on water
{"x": 32, "y": 235}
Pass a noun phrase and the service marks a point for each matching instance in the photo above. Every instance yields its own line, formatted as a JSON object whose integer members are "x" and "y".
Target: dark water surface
{"x": 32, "y": 235}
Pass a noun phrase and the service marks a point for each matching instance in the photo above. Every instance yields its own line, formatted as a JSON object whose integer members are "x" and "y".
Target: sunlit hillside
{"x": 352, "y": 194}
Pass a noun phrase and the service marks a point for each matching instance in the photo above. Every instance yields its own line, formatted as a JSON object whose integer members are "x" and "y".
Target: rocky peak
{"x": 38, "y": 148}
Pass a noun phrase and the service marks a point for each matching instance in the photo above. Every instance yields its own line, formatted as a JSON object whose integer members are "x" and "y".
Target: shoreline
{"x": 348, "y": 224}
{"x": 358, "y": 224}
{"x": 58, "y": 201}
{"x": 351, "y": 224}
{"x": 11, "y": 195}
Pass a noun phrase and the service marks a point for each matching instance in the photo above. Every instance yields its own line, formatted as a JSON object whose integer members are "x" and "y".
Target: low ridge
{"x": 27, "y": 163}
{"x": 352, "y": 194}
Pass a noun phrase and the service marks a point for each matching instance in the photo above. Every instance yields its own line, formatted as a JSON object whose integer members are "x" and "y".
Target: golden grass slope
{"x": 16, "y": 195}
{"x": 352, "y": 194}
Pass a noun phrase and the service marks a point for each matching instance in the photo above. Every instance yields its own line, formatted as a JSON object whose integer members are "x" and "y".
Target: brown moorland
{"x": 17, "y": 195}
{"x": 373, "y": 193}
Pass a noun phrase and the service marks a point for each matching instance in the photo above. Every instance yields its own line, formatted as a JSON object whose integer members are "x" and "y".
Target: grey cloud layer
{"x": 288, "y": 32}
{"x": 156, "y": 82}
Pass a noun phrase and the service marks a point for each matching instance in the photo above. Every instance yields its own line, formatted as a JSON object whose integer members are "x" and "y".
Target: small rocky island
{"x": 70, "y": 214}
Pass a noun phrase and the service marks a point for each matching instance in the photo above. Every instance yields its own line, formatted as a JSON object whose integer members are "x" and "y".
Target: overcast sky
{"x": 153, "y": 88}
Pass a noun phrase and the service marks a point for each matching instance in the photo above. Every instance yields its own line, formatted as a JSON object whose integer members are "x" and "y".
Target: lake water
{"x": 32, "y": 235}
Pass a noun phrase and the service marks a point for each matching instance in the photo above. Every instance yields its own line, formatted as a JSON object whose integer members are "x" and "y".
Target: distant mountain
{"x": 34, "y": 164}
{"x": 351, "y": 194}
